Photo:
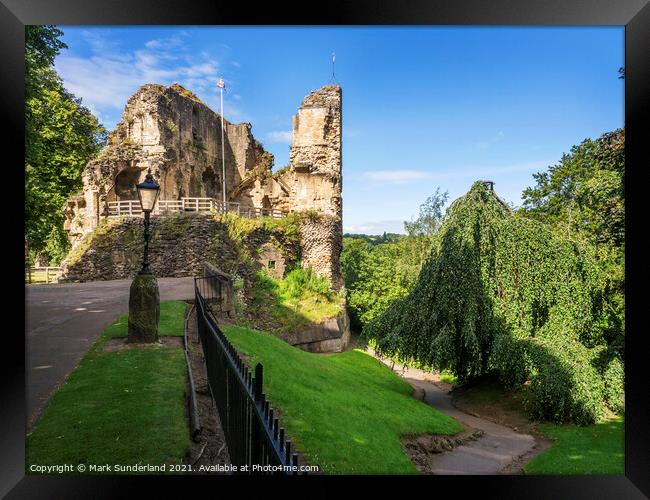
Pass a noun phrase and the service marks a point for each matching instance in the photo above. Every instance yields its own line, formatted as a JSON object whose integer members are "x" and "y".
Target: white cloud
{"x": 168, "y": 43}
{"x": 107, "y": 78}
{"x": 280, "y": 136}
{"x": 493, "y": 140}
{"x": 376, "y": 227}
{"x": 380, "y": 177}
{"x": 96, "y": 41}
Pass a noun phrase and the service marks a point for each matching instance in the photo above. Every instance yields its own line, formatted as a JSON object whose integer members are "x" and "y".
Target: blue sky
{"x": 422, "y": 106}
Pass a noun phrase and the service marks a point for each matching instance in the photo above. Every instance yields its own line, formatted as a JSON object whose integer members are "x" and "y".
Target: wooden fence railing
{"x": 42, "y": 274}
{"x": 253, "y": 433}
{"x": 131, "y": 208}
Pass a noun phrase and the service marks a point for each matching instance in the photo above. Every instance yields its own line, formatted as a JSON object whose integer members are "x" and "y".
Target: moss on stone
{"x": 94, "y": 238}
{"x": 144, "y": 309}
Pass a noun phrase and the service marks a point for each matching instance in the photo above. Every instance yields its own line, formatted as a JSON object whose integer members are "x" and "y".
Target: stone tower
{"x": 315, "y": 159}
{"x": 315, "y": 179}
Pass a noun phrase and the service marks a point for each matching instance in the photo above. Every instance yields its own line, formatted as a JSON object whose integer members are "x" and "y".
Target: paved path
{"x": 498, "y": 447}
{"x": 63, "y": 321}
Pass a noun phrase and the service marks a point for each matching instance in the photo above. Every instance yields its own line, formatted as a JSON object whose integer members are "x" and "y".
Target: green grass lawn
{"x": 594, "y": 449}
{"x": 345, "y": 412}
{"x": 292, "y": 304}
{"x": 172, "y": 322}
{"x": 448, "y": 377}
{"x": 121, "y": 407}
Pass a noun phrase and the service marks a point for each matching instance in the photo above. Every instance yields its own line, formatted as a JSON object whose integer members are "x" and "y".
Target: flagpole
{"x": 223, "y": 158}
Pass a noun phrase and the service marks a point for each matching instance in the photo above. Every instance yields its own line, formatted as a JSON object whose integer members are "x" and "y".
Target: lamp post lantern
{"x": 148, "y": 195}
{"x": 144, "y": 296}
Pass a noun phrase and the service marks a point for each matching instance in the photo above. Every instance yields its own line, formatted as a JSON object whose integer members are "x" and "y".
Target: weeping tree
{"x": 501, "y": 292}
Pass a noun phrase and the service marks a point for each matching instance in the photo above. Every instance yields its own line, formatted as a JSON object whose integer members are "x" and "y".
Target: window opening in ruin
{"x": 210, "y": 182}
{"x": 195, "y": 124}
{"x": 271, "y": 264}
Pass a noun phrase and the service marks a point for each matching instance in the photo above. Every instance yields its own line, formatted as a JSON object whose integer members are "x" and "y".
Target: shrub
{"x": 292, "y": 304}
{"x": 564, "y": 385}
{"x": 304, "y": 280}
{"x": 264, "y": 283}
{"x": 238, "y": 289}
{"x": 614, "y": 380}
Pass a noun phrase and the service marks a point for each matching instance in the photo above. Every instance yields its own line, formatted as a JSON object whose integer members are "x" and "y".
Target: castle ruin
{"x": 169, "y": 131}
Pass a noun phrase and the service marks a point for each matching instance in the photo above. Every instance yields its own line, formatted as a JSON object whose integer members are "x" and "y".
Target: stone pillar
{"x": 315, "y": 163}
{"x": 144, "y": 309}
{"x": 315, "y": 158}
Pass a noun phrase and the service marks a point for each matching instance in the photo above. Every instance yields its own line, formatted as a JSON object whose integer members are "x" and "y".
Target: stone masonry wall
{"x": 316, "y": 153}
{"x": 321, "y": 242}
{"x": 179, "y": 246}
{"x": 169, "y": 130}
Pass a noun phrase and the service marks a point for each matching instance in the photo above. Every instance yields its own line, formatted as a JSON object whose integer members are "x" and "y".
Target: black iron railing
{"x": 253, "y": 433}
{"x": 210, "y": 288}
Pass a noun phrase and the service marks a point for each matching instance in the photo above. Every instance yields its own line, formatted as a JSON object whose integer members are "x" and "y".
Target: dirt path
{"x": 494, "y": 451}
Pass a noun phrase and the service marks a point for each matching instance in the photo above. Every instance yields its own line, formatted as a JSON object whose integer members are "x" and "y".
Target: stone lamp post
{"x": 144, "y": 296}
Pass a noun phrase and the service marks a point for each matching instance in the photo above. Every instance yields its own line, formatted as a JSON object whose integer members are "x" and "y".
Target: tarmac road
{"x": 64, "y": 320}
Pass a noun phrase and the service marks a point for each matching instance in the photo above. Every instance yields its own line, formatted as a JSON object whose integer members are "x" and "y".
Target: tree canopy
{"x": 583, "y": 196}
{"x": 380, "y": 269}
{"x": 61, "y": 135}
{"x": 585, "y": 191}
{"x": 507, "y": 293}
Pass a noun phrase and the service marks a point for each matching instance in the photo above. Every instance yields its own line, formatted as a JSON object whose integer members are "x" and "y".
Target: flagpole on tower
{"x": 221, "y": 86}
{"x": 333, "y": 79}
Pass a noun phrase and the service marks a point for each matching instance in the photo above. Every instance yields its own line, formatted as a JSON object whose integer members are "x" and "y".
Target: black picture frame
{"x": 633, "y": 14}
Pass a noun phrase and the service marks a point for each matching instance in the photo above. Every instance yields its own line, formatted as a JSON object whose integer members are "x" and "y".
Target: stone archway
{"x": 125, "y": 183}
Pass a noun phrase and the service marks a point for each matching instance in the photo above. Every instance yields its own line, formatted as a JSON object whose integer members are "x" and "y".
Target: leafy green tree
{"x": 355, "y": 251}
{"x": 61, "y": 136}
{"x": 377, "y": 284}
{"x": 416, "y": 246}
{"x": 430, "y": 217}
{"x": 584, "y": 197}
{"x": 585, "y": 191}
{"x": 380, "y": 269}
{"x": 374, "y": 239}
{"x": 505, "y": 292}
{"x": 353, "y": 261}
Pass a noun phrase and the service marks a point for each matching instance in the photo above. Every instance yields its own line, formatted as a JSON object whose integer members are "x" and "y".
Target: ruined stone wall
{"x": 180, "y": 245}
{"x": 321, "y": 242}
{"x": 316, "y": 153}
{"x": 168, "y": 130}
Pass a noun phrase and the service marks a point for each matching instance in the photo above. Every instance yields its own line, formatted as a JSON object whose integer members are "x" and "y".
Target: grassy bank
{"x": 594, "y": 449}
{"x": 345, "y": 412}
{"x": 591, "y": 449}
{"x": 291, "y": 304}
{"x": 119, "y": 407}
